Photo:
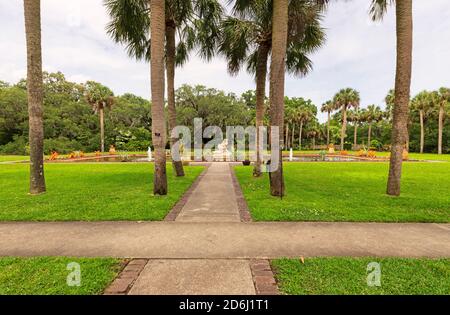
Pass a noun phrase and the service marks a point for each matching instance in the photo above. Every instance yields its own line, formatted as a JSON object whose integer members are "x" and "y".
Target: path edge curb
{"x": 244, "y": 211}
{"x": 263, "y": 277}
{"x": 122, "y": 284}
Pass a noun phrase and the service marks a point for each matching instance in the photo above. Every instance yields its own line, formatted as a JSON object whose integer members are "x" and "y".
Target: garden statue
{"x": 291, "y": 155}
{"x": 149, "y": 154}
{"x": 112, "y": 150}
{"x": 222, "y": 153}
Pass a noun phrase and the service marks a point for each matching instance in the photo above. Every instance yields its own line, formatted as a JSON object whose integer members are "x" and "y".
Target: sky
{"x": 358, "y": 53}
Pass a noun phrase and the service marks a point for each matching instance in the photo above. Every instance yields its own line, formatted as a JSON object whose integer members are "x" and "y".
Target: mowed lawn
{"x": 90, "y": 192}
{"x": 352, "y": 192}
{"x": 318, "y": 276}
{"x": 13, "y": 158}
{"x": 48, "y": 276}
{"x": 412, "y": 155}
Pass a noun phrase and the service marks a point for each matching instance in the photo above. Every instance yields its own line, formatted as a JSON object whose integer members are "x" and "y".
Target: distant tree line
{"x": 71, "y": 120}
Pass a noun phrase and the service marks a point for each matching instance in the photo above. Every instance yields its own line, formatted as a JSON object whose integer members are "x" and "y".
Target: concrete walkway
{"x": 213, "y": 200}
{"x": 214, "y": 240}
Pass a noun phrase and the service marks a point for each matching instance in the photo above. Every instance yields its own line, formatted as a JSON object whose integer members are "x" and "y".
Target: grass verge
{"x": 318, "y": 276}
{"x": 90, "y": 192}
{"x": 353, "y": 192}
{"x": 48, "y": 276}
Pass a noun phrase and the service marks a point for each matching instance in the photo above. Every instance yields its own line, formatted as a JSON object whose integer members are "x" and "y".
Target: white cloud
{"x": 359, "y": 53}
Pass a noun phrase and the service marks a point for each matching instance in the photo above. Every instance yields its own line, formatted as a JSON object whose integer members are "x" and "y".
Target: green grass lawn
{"x": 318, "y": 276}
{"x": 90, "y": 192}
{"x": 413, "y": 156}
{"x": 350, "y": 192}
{"x": 13, "y": 158}
{"x": 45, "y": 276}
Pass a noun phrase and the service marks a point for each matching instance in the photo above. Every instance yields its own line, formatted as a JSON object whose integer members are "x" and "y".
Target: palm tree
{"x": 302, "y": 116}
{"x": 157, "y": 17}
{"x": 313, "y": 132}
{"x": 328, "y": 108}
{"x": 32, "y": 12}
{"x": 195, "y": 22}
{"x": 404, "y": 25}
{"x": 99, "y": 97}
{"x": 355, "y": 117}
{"x": 280, "y": 29}
{"x": 373, "y": 114}
{"x": 247, "y": 39}
{"x": 444, "y": 102}
{"x": 345, "y": 99}
{"x": 422, "y": 103}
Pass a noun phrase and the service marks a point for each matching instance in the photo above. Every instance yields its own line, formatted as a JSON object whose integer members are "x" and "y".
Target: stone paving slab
{"x": 195, "y": 277}
{"x": 213, "y": 199}
{"x": 223, "y": 240}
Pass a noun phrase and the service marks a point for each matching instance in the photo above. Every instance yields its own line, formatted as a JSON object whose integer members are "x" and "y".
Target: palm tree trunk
{"x": 293, "y": 136}
{"x": 328, "y": 128}
{"x": 157, "y": 27}
{"x": 355, "y": 135}
{"x": 170, "y": 68}
{"x": 300, "y": 136}
{"x": 344, "y": 126}
{"x": 32, "y": 12}
{"x": 102, "y": 129}
{"x": 369, "y": 136}
{"x": 404, "y": 22}
{"x": 314, "y": 142}
{"x": 422, "y": 131}
{"x": 277, "y": 81}
{"x": 261, "y": 77}
{"x": 441, "y": 128}
{"x": 287, "y": 136}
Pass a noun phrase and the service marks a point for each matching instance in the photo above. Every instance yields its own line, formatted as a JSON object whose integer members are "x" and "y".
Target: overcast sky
{"x": 358, "y": 53}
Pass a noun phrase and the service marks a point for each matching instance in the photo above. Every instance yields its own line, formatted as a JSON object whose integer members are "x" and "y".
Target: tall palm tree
{"x": 444, "y": 103}
{"x": 157, "y": 17}
{"x": 280, "y": 27}
{"x": 404, "y": 25}
{"x": 302, "y": 115}
{"x": 189, "y": 24}
{"x": 422, "y": 103}
{"x": 346, "y": 99}
{"x": 373, "y": 114}
{"x": 313, "y": 132}
{"x": 328, "y": 108}
{"x": 247, "y": 39}
{"x": 355, "y": 117}
{"x": 99, "y": 97}
{"x": 32, "y": 12}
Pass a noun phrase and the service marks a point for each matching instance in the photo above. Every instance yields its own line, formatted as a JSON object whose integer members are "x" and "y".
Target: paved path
{"x": 213, "y": 200}
{"x": 223, "y": 240}
{"x": 201, "y": 277}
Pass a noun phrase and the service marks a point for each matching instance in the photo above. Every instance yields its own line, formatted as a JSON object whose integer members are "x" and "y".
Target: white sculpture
{"x": 222, "y": 153}
{"x": 291, "y": 155}
{"x": 149, "y": 154}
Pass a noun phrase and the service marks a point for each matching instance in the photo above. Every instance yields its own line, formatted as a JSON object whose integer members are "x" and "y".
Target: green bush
{"x": 61, "y": 145}
{"x": 375, "y": 144}
{"x": 135, "y": 139}
{"x": 348, "y": 146}
{"x": 19, "y": 146}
